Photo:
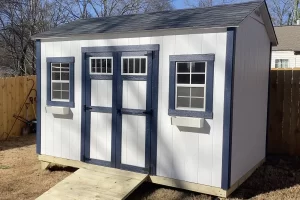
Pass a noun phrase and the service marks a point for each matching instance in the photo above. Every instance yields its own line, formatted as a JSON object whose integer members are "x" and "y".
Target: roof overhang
{"x": 268, "y": 23}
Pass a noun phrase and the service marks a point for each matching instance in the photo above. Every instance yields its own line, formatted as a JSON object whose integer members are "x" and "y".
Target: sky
{"x": 179, "y": 4}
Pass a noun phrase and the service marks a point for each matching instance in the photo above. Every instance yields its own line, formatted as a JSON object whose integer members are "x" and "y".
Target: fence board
{"x": 13, "y": 93}
{"x": 284, "y": 126}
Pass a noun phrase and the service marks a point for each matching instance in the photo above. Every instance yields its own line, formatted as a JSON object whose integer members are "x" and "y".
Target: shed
{"x": 180, "y": 95}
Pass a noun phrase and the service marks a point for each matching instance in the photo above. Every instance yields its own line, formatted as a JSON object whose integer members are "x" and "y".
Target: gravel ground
{"x": 22, "y": 178}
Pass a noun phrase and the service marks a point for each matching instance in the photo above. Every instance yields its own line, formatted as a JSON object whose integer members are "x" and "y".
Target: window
{"x": 281, "y": 63}
{"x": 191, "y": 85}
{"x": 60, "y": 90}
{"x": 60, "y": 81}
{"x": 134, "y": 65}
{"x": 101, "y": 65}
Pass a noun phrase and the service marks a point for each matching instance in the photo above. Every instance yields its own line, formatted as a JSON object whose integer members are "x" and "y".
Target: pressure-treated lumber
{"x": 90, "y": 184}
{"x": 215, "y": 191}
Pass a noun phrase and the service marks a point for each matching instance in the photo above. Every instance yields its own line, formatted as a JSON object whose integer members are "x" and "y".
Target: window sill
{"x": 61, "y": 104}
{"x": 188, "y": 113}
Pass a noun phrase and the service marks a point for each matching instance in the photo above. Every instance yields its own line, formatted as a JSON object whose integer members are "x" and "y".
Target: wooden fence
{"x": 13, "y": 93}
{"x": 284, "y": 115}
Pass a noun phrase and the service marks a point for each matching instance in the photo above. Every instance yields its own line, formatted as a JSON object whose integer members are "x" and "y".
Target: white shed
{"x": 180, "y": 95}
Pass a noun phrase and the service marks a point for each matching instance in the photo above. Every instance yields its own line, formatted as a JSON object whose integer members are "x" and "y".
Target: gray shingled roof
{"x": 230, "y": 15}
{"x": 288, "y": 38}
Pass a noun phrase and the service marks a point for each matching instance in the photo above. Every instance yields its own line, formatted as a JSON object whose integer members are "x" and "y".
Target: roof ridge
{"x": 177, "y": 10}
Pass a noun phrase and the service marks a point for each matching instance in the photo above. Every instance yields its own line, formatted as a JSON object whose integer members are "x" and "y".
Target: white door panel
{"x": 133, "y": 140}
{"x": 134, "y": 94}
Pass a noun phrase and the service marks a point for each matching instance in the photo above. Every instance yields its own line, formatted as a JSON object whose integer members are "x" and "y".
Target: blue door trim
{"x": 228, "y": 99}
{"x": 38, "y": 113}
{"x": 152, "y": 51}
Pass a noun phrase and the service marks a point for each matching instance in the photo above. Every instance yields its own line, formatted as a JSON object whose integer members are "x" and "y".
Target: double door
{"x": 119, "y": 109}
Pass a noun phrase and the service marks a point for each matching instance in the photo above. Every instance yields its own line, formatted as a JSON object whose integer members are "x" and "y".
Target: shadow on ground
{"x": 17, "y": 142}
{"x": 273, "y": 180}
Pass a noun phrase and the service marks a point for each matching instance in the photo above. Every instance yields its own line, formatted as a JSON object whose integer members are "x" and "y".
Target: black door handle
{"x": 119, "y": 111}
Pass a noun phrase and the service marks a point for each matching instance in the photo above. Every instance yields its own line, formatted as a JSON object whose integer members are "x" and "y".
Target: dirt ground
{"x": 22, "y": 178}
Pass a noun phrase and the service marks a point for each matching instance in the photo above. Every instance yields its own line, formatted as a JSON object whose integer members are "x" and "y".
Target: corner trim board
{"x": 38, "y": 72}
{"x": 228, "y": 102}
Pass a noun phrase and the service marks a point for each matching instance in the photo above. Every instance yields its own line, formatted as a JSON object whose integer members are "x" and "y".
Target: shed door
{"x": 135, "y": 110}
{"x": 119, "y": 108}
{"x": 99, "y": 108}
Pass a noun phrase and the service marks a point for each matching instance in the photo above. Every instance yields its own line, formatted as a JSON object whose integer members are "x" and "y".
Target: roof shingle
{"x": 230, "y": 15}
{"x": 288, "y": 38}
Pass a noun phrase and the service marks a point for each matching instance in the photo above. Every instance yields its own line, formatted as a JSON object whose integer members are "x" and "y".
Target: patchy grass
{"x": 22, "y": 178}
{"x": 20, "y": 173}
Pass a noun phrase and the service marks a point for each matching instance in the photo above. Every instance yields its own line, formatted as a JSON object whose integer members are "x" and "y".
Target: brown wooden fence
{"x": 284, "y": 115}
{"x": 13, "y": 93}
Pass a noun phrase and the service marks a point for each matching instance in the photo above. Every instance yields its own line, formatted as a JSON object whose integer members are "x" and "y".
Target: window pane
{"x": 93, "y": 66}
{"x": 98, "y": 65}
{"x": 103, "y": 65}
{"x": 55, "y": 67}
{"x": 183, "y": 91}
{"x": 198, "y": 78}
{"x": 56, "y": 86}
{"x": 137, "y": 65}
{"x": 65, "y": 76}
{"x": 183, "y": 67}
{"x": 56, "y": 95}
{"x": 183, "y": 102}
{"x": 131, "y": 65}
{"x": 143, "y": 65}
{"x": 197, "y": 103}
{"x": 198, "y": 67}
{"x": 108, "y": 65}
{"x": 65, "y": 66}
{"x": 198, "y": 92}
{"x": 183, "y": 78}
{"x": 65, "y": 86}
{"x": 125, "y": 65}
{"x": 55, "y": 76}
{"x": 65, "y": 95}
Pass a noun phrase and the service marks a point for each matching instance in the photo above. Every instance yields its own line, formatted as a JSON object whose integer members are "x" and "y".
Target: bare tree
{"x": 207, "y": 3}
{"x": 281, "y": 11}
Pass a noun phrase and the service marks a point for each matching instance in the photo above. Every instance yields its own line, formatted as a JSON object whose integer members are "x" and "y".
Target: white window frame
{"x": 60, "y": 81}
{"x": 280, "y": 61}
{"x": 100, "y": 73}
{"x": 191, "y": 86}
{"x": 135, "y": 74}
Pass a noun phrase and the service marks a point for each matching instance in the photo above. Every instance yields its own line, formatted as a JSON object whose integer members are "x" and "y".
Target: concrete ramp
{"x": 88, "y": 184}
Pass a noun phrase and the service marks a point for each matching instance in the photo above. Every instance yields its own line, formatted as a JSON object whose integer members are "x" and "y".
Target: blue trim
{"x": 268, "y": 106}
{"x": 151, "y": 108}
{"x": 60, "y": 59}
{"x": 134, "y": 169}
{"x": 134, "y": 78}
{"x": 69, "y": 60}
{"x": 153, "y": 137}
{"x": 209, "y": 59}
{"x": 187, "y": 113}
{"x": 38, "y": 113}
{"x": 101, "y": 77}
{"x": 83, "y": 113}
{"x": 228, "y": 101}
{"x": 150, "y": 47}
{"x": 101, "y": 109}
{"x": 99, "y": 162}
{"x": 192, "y": 57}
{"x": 127, "y": 111}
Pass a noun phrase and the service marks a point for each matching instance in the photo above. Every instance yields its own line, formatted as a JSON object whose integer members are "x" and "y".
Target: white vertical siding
{"x": 294, "y": 60}
{"x": 189, "y": 156}
{"x": 250, "y": 97}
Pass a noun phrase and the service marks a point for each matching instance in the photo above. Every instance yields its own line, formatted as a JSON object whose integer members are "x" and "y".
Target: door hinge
{"x": 87, "y": 108}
